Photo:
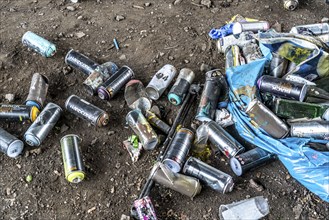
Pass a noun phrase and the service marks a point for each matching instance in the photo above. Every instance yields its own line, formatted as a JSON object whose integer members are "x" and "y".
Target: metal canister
{"x": 208, "y": 175}
{"x": 183, "y": 184}
{"x": 160, "y": 81}
{"x": 80, "y": 62}
{"x": 254, "y": 26}
{"x": 181, "y": 87}
{"x": 264, "y": 118}
{"x": 225, "y": 42}
{"x": 145, "y": 209}
{"x": 251, "y": 52}
{"x": 113, "y": 84}
{"x": 233, "y": 57}
{"x": 278, "y": 65}
{"x": 249, "y": 160}
{"x": 210, "y": 96}
{"x": 136, "y": 97}
{"x": 310, "y": 129}
{"x": 324, "y": 38}
{"x": 44, "y": 123}
{"x": 222, "y": 140}
{"x": 107, "y": 69}
{"x": 18, "y": 112}
{"x": 73, "y": 164}
{"x": 290, "y": 4}
{"x": 93, "y": 81}
{"x": 38, "y": 91}
{"x": 39, "y": 44}
{"x": 142, "y": 129}
{"x": 86, "y": 111}
{"x": 314, "y": 29}
{"x": 178, "y": 150}
{"x": 282, "y": 88}
{"x": 156, "y": 122}
{"x": 9, "y": 144}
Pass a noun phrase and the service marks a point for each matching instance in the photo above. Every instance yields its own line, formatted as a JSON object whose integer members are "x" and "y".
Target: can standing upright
{"x": 38, "y": 91}
{"x": 39, "y": 44}
{"x": 9, "y": 144}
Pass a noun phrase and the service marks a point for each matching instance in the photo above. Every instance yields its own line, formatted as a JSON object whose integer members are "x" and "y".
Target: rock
{"x": 277, "y": 26}
{"x": 176, "y": 2}
{"x": 325, "y": 20}
{"x": 80, "y": 34}
{"x": 117, "y": 165}
{"x": 64, "y": 128}
{"x": 214, "y": 10}
{"x": 171, "y": 58}
{"x": 66, "y": 70}
{"x": 119, "y": 17}
{"x": 267, "y": 6}
{"x": 298, "y": 209}
{"x": 156, "y": 110}
{"x": 255, "y": 185}
{"x": 36, "y": 151}
{"x": 70, "y": 8}
{"x": 80, "y": 17}
{"x": 112, "y": 190}
{"x": 93, "y": 142}
{"x": 10, "y": 97}
{"x": 147, "y": 4}
{"x": 124, "y": 217}
{"x": 205, "y": 68}
{"x": 186, "y": 61}
{"x": 122, "y": 57}
{"x": 110, "y": 133}
{"x": 91, "y": 209}
{"x": 206, "y": 3}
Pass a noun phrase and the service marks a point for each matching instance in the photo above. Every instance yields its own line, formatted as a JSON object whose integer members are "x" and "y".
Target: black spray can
{"x": 80, "y": 62}
{"x": 86, "y": 111}
{"x": 156, "y": 122}
{"x": 210, "y": 96}
{"x": 278, "y": 65}
{"x": 178, "y": 150}
{"x": 310, "y": 129}
{"x": 210, "y": 176}
{"x": 44, "y": 123}
{"x": 249, "y": 160}
{"x": 38, "y": 91}
{"x": 113, "y": 85}
{"x": 282, "y": 88}
{"x": 9, "y": 144}
{"x": 18, "y": 113}
{"x": 182, "y": 84}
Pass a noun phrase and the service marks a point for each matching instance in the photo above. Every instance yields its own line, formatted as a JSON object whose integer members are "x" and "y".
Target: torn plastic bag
{"x": 308, "y": 166}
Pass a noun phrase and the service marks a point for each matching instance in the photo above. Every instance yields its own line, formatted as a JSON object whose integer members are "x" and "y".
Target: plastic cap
{"x": 174, "y": 99}
{"x": 34, "y": 113}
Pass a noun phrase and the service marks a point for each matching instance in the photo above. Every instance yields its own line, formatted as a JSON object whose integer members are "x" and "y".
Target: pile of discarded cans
{"x": 267, "y": 92}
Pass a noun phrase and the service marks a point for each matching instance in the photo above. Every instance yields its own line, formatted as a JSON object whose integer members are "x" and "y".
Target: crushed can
{"x": 136, "y": 97}
{"x": 145, "y": 209}
{"x": 278, "y": 66}
{"x": 38, "y": 91}
{"x": 39, "y": 44}
{"x": 9, "y": 144}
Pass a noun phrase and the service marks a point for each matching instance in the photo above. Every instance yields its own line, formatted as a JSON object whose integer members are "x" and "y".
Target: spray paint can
{"x": 222, "y": 140}
{"x": 264, "y": 118}
{"x": 225, "y": 42}
{"x": 183, "y": 184}
{"x": 156, "y": 122}
{"x": 254, "y": 26}
{"x": 249, "y": 160}
{"x": 38, "y": 91}
{"x": 18, "y": 112}
{"x": 136, "y": 97}
{"x": 39, "y": 44}
{"x": 233, "y": 57}
{"x": 160, "y": 81}
{"x": 314, "y": 29}
{"x": 290, "y": 4}
{"x": 278, "y": 65}
{"x": 107, "y": 69}
{"x": 182, "y": 84}
{"x": 80, "y": 62}
{"x": 299, "y": 79}
{"x": 208, "y": 175}
{"x": 73, "y": 164}
{"x": 178, "y": 150}
{"x": 86, "y": 111}
{"x": 251, "y": 52}
{"x": 9, "y": 144}
{"x": 93, "y": 81}
{"x": 310, "y": 129}
{"x": 324, "y": 38}
{"x": 145, "y": 209}
{"x": 142, "y": 129}
{"x": 282, "y": 88}
{"x": 210, "y": 96}
{"x": 44, "y": 123}
{"x": 113, "y": 84}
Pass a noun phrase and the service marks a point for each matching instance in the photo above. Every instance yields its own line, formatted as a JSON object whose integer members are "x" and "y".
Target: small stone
{"x": 110, "y": 133}
{"x": 171, "y": 58}
{"x": 80, "y": 34}
{"x": 138, "y": 7}
{"x": 117, "y": 165}
{"x": 161, "y": 54}
{"x": 124, "y": 217}
{"x": 156, "y": 110}
{"x": 147, "y": 4}
{"x": 93, "y": 142}
{"x": 8, "y": 191}
{"x": 205, "y": 68}
{"x": 255, "y": 185}
{"x": 325, "y": 20}
{"x": 119, "y": 17}
{"x": 64, "y": 128}
{"x": 122, "y": 57}
{"x": 176, "y": 2}
{"x": 10, "y": 97}
{"x": 18, "y": 166}
{"x": 36, "y": 151}
{"x": 29, "y": 178}
{"x": 70, "y": 8}
{"x": 206, "y": 3}
{"x": 57, "y": 173}
{"x": 66, "y": 70}
{"x": 214, "y": 10}
{"x": 267, "y": 6}
{"x": 112, "y": 190}
{"x": 186, "y": 61}
{"x": 80, "y": 17}
{"x": 91, "y": 210}
{"x": 277, "y": 26}
{"x": 204, "y": 47}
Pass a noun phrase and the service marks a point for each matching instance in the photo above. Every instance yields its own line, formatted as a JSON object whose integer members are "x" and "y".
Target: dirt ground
{"x": 150, "y": 36}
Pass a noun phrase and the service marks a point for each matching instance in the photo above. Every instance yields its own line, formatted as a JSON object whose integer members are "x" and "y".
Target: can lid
{"x": 172, "y": 165}
{"x": 32, "y": 140}
{"x": 228, "y": 185}
{"x": 34, "y": 113}
{"x": 187, "y": 164}
{"x": 303, "y": 93}
{"x": 102, "y": 92}
{"x": 174, "y": 99}
{"x": 68, "y": 53}
{"x": 70, "y": 135}
{"x": 51, "y": 50}
{"x": 15, "y": 148}
{"x": 76, "y": 177}
{"x": 236, "y": 166}
{"x": 103, "y": 120}
{"x": 237, "y": 28}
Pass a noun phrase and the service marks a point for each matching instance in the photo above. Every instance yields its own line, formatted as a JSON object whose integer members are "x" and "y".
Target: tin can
{"x": 18, "y": 113}
{"x": 208, "y": 175}
{"x": 86, "y": 111}
{"x": 38, "y": 91}
{"x": 278, "y": 65}
{"x": 10, "y": 145}
{"x": 183, "y": 184}
{"x": 233, "y": 57}
{"x": 39, "y": 44}
{"x": 113, "y": 84}
{"x": 160, "y": 81}
{"x": 44, "y": 123}
{"x": 210, "y": 96}
{"x": 264, "y": 118}
{"x": 136, "y": 97}
{"x": 145, "y": 209}
{"x": 93, "y": 81}
{"x": 290, "y": 4}
{"x": 222, "y": 139}
{"x": 282, "y": 88}
{"x": 73, "y": 164}
{"x": 314, "y": 29}
{"x": 178, "y": 150}
{"x": 224, "y": 42}
{"x": 181, "y": 87}
{"x": 80, "y": 62}
{"x": 249, "y": 160}
{"x": 142, "y": 129}
{"x": 254, "y": 26}
{"x": 156, "y": 122}
{"x": 310, "y": 129}
{"x": 251, "y": 52}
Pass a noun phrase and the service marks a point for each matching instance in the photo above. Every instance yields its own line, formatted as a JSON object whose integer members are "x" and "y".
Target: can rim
{"x": 68, "y": 53}
{"x": 34, "y": 137}
{"x": 51, "y": 103}
{"x": 124, "y": 66}
{"x": 237, "y": 171}
{"x": 68, "y": 100}
{"x": 156, "y": 95}
{"x": 20, "y": 147}
{"x": 186, "y": 164}
{"x": 71, "y": 135}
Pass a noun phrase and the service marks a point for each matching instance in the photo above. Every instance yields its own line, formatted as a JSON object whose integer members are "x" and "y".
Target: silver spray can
{"x": 255, "y": 26}
{"x": 314, "y": 29}
{"x": 44, "y": 123}
{"x": 9, "y": 144}
{"x": 310, "y": 129}
{"x": 264, "y": 118}
{"x": 136, "y": 97}
{"x": 178, "y": 150}
{"x": 278, "y": 65}
{"x": 39, "y": 44}
{"x": 290, "y": 4}
{"x": 160, "y": 81}
{"x": 210, "y": 176}
{"x": 142, "y": 129}
{"x": 183, "y": 184}
{"x": 38, "y": 91}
